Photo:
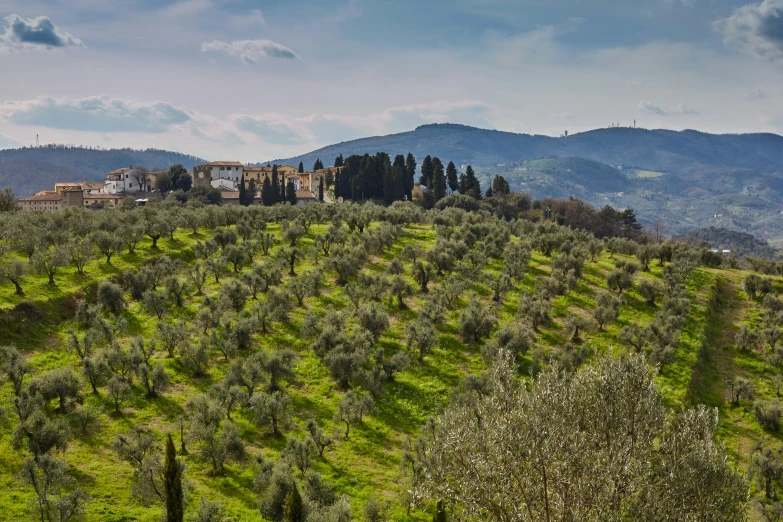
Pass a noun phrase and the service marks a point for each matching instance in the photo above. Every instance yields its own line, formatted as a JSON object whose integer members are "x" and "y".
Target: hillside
{"x": 30, "y": 169}
{"x": 688, "y": 179}
{"x": 298, "y": 316}
{"x": 739, "y": 243}
{"x": 661, "y": 150}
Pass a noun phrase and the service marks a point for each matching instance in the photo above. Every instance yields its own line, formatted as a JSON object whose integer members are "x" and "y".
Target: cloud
{"x": 94, "y": 114}
{"x": 35, "y": 33}
{"x": 755, "y": 29}
{"x": 680, "y": 110}
{"x": 466, "y": 112}
{"x": 257, "y": 16}
{"x": 251, "y": 51}
{"x": 271, "y": 128}
{"x": 350, "y": 11}
{"x": 755, "y": 94}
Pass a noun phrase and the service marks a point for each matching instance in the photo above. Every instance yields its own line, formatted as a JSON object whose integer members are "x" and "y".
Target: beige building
{"x": 68, "y": 195}
{"x": 86, "y": 187}
{"x": 204, "y": 175}
{"x": 43, "y": 200}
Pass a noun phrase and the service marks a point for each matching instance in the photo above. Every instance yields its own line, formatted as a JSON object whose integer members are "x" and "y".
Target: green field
{"x": 366, "y": 465}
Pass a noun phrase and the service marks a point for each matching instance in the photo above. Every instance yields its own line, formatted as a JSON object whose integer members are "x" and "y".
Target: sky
{"x": 254, "y": 81}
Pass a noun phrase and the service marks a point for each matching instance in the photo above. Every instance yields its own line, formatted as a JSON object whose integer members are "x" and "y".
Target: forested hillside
{"x": 341, "y": 362}
{"x": 688, "y": 179}
{"x": 30, "y": 169}
{"x": 663, "y": 150}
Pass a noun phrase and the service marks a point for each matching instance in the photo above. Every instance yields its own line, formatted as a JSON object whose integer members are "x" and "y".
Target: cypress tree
{"x": 252, "y": 190}
{"x": 410, "y": 172}
{"x": 339, "y": 161}
{"x": 243, "y": 194}
{"x": 451, "y": 177}
{"x": 291, "y": 193}
{"x": 321, "y": 189}
{"x": 427, "y": 170}
{"x": 438, "y": 182}
{"x": 318, "y": 165}
{"x": 293, "y": 510}
{"x": 172, "y": 484}
{"x": 283, "y": 186}
{"x": 266, "y": 193}
{"x": 275, "y": 185}
{"x": 440, "y": 513}
{"x": 472, "y": 185}
{"x": 337, "y": 190}
{"x": 301, "y": 167}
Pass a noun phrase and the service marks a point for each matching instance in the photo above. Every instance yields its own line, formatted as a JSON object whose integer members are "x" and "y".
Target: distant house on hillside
{"x": 206, "y": 175}
{"x": 68, "y": 195}
{"x": 121, "y": 180}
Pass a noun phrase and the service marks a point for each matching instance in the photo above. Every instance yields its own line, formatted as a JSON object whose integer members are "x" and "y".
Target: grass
{"x": 648, "y": 174}
{"x": 367, "y": 463}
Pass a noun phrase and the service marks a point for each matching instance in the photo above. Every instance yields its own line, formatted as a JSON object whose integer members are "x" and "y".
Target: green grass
{"x": 368, "y": 462}
{"x": 648, "y": 174}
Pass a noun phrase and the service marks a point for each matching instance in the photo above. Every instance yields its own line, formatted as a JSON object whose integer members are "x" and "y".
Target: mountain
{"x": 688, "y": 179}
{"x": 30, "y": 169}
{"x": 660, "y": 150}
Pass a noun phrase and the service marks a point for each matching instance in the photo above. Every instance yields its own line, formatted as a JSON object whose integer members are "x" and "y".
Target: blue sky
{"x": 232, "y": 79}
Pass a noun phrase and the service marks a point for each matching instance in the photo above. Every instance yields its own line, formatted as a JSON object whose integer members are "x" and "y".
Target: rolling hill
{"x": 30, "y": 169}
{"x": 662, "y": 150}
{"x": 689, "y": 179}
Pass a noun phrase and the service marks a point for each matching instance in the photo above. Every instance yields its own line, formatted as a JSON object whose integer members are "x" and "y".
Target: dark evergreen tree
{"x": 172, "y": 484}
{"x": 243, "y": 195}
{"x": 318, "y": 165}
{"x": 410, "y": 172}
{"x": 267, "y": 197}
{"x": 337, "y": 188}
{"x": 489, "y": 193}
{"x": 451, "y": 177}
{"x": 438, "y": 181}
{"x": 440, "y": 513}
{"x": 339, "y": 161}
{"x": 301, "y": 167}
{"x": 500, "y": 186}
{"x": 283, "y": 186}
{"x": 472, "y": 185}
{"x": 275, "y": 196}
{"x": 293, "y": 510}
{"x": 427, "y": 170}
{"x": 321, "y": 189}
{"x": 291, "y": 193}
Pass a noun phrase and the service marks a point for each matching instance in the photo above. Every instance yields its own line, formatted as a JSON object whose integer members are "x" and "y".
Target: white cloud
{"x": 755, "y": 94}
{"x": 94, "y": 114}
{"x": 755, "y": 29}
{"x": 35, "y": 33}
{"x": 270, "y": 127}
{"x": 680, "y": 110}
{"x": 251, "y": 51}
{"x": 257, "y": 16}
{"x": 350, "y": 11}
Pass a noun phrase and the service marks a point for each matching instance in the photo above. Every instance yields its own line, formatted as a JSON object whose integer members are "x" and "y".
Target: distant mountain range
{"x": 689, "y": 179}
{"x": 660, "y": 150}
{"x": 30, "y": 169}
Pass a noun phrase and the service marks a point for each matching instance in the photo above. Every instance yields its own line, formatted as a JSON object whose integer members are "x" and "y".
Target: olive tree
{"x": 549, "y": 451}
